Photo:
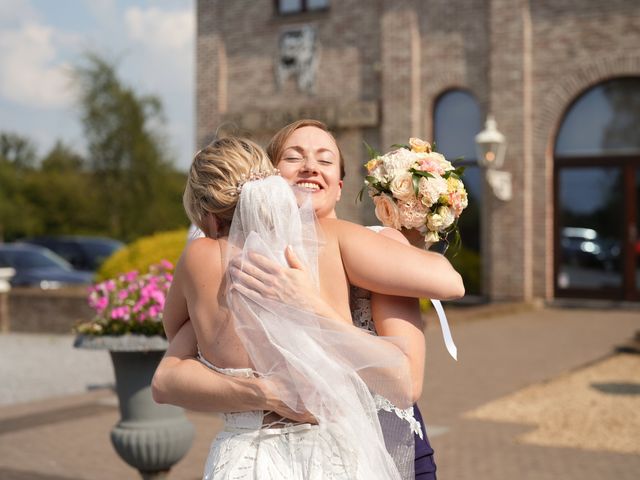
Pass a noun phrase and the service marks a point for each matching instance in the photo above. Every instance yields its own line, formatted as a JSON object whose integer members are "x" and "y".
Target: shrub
{"x": 143, "y": 253}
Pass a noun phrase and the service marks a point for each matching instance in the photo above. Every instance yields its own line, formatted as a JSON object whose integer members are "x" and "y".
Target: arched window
{"x": 603, "y": 121}
{"x": 597, "y": 192}
{"x": 457, "y": 120}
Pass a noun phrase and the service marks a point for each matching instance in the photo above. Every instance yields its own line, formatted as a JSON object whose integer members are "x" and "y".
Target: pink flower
{"x": 431, "y": 165}
{"x": 100, "y": 304}
{"x": 131, "y": 276}
{"x": 166, "y": 264}
{"x": 154, "y": 311}
{"x": 458, "y": 201}
{"x": 122, "y": 294}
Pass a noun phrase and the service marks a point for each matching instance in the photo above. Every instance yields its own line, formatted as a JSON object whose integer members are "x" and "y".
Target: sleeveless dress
{"x": 425, "y": 466}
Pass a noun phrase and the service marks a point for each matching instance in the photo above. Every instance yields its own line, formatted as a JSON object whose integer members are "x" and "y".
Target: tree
{"x": 134, "y": 178}
{"x": 17, "y": 150}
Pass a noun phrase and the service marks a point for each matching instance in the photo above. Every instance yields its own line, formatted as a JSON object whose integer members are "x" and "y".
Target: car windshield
{"x": 27, "y": 259}
{"x": 100, "y": 248}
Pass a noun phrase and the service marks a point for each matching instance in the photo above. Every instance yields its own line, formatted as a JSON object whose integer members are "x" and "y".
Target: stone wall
{"x": 45, "y": 311}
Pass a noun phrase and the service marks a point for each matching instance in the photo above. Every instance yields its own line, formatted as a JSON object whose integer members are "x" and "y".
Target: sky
{"x": 152, "y": 43}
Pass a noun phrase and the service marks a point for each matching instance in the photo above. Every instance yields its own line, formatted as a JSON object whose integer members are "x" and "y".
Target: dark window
{"x": 605, "y": 120}
{"x": 297, "y": 6}
{"x": 457, "y": 120}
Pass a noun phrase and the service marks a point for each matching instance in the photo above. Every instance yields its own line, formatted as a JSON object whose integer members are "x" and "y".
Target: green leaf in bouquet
{"x": 458, "y": 159}
{"x": 456, "y": 173}
{"x": 360, "y": 193}
{"x": 372, "y": 180}
{"x": 401, "y": 145}
{"x": 456, "y": 242}
{"x": 421, "y": 173}
{"x": 416, "y": 184}
{"x": 373, "y": 153}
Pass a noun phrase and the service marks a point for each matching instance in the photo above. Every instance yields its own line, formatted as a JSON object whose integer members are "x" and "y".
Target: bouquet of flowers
{"x": 130, "y": 303}
{"x": 414, "y": 187}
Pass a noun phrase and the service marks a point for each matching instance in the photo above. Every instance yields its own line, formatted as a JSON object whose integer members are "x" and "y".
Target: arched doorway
{"x": 456, "y": 121}
{"x": 597, "y": 194}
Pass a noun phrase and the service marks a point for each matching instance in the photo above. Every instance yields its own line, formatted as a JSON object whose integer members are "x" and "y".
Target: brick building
{"x": 561, "y": 78}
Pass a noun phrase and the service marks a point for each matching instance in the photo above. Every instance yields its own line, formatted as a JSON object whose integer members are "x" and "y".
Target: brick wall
{"x": 525, "y": 61}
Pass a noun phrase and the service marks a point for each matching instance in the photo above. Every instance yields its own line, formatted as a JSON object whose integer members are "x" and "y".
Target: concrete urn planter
{"x": 149, "y": 437}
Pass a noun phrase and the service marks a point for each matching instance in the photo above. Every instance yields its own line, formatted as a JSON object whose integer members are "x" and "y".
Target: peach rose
{"x": 387, "y": 211}
{"x": 417, "y": 145}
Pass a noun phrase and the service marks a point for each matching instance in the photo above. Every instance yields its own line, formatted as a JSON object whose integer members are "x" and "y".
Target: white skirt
{"x": 245, "y": 451}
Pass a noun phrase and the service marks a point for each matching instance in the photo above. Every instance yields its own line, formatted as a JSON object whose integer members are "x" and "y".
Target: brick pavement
{"x": 67, "y": 438}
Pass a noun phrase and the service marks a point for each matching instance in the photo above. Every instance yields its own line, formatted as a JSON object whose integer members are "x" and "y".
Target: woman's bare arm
{"x": 382, "y": 265}
{"x": 182, "y": 380}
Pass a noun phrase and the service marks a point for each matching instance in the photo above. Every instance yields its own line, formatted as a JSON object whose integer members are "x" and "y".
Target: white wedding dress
{"x": 336, "y": 372}
{"x": 247, "y": 449}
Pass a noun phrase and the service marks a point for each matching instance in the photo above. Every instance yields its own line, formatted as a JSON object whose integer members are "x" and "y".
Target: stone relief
{"x": 298, "y": 57}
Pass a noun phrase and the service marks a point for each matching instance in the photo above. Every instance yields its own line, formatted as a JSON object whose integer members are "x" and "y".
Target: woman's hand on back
{"x": 260, "y": 277}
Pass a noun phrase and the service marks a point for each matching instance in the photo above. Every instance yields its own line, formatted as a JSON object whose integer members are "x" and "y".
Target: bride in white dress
{"x": 307, "y": 356}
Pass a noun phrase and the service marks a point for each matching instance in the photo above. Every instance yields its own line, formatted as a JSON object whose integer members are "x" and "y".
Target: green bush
{"x": 144, "y": 252}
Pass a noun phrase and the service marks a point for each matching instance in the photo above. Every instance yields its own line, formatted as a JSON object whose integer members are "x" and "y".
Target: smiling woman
{"x": 308, "y": 156}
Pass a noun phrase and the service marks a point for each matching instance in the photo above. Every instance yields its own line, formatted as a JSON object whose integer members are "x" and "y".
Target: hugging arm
{"x": 382, "y": 265}
{"x": 182, "y": 380}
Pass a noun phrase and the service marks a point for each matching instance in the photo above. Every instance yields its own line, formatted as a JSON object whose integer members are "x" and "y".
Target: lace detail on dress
{"x": 406, "y": 414}
{"x": 360, "y": 305}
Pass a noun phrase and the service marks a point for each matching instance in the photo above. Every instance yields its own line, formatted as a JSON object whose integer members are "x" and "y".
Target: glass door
{"x": 590, "y": 217}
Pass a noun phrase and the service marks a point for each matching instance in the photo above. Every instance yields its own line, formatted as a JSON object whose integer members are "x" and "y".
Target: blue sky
{"x": 40, "y": 40}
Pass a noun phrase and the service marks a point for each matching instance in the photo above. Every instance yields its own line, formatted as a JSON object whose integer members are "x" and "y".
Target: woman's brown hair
{"x": 275, "y": 148}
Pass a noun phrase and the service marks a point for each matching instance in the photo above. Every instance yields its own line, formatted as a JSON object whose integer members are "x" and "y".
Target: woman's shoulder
{"x": 201, "y": 253}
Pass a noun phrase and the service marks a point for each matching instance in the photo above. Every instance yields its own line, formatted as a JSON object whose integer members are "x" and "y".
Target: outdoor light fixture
{"x": 491, "y": 147}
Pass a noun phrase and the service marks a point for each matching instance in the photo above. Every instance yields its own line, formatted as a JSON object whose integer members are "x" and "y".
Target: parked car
{"x": 39, "y": 267}
{"x": 83, "y": 252}
{"x": 586, "y": 248}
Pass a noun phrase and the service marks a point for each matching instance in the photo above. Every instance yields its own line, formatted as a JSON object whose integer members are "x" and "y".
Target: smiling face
{"x": 310, "y": 160}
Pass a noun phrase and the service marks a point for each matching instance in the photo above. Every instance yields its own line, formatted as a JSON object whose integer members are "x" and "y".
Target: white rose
{"x": 435, "y": 222}
{"x": 412, "y": 214}
{"x": 447, "y": 215}
{"x": 402, "y": 186}
{"x": 398, "y": 161}
{"x": 431, "y": 238}
{"x": 430, "y": 189}
{"x": 387, "y": 211}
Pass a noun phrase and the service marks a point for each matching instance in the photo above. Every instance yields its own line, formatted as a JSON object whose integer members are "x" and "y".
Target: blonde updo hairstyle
{"x": 214, "y": 176}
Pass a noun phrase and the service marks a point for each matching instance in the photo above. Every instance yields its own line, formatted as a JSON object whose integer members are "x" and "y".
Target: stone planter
{"x": 149, "y": 437}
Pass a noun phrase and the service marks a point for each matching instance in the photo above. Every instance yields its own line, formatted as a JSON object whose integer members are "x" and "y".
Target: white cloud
{"x": 16, "y": 11}
{"x": 161, "y": 29}
{"x": 30, "y": 72}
